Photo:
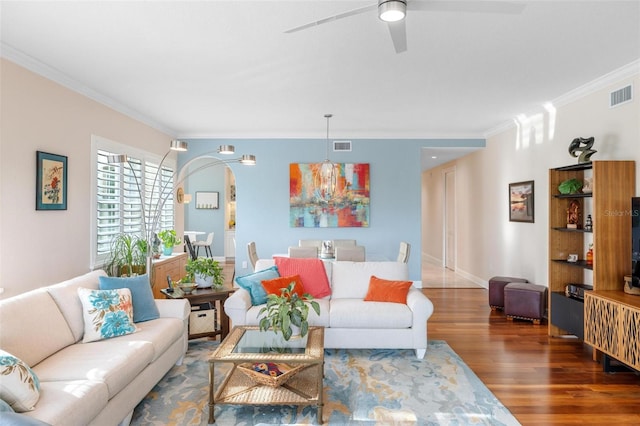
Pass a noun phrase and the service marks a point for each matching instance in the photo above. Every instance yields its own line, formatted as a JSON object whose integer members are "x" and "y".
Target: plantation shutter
{"x": 119, "y": 208}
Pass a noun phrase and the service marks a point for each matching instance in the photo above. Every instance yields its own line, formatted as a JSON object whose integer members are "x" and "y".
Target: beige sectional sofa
{"x": 97, "y": 383}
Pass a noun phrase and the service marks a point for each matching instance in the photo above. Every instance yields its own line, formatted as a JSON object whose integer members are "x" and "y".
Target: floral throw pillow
{"x": 19, "y": 386}
{"x": 107, "y": 313}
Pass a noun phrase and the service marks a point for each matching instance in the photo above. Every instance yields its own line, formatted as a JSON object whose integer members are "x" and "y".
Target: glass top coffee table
{"x": 268, "y": 370}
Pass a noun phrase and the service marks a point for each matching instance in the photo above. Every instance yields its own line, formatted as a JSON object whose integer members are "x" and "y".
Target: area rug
{"x": 361, "y": 387}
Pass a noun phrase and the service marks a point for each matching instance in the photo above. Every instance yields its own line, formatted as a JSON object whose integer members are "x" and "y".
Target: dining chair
{"x": 405, "y": 251}
{"x": 189, "y": 245}
{"x": 310, "y": 243}
{"x": 253, "y": 254}
{"x": 344, "y": 243}
{"x": 206, "y": 244}
{"x": 303, "y": 251}
{"x": 353, "y": 254}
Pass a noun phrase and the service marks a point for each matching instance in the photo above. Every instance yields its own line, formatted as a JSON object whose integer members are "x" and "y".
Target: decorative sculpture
{"x": 586, "y": 151}
{"x": 573, "y": 214}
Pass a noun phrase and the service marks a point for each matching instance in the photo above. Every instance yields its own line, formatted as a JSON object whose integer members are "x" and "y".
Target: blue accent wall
{"x": 262, "y": 194}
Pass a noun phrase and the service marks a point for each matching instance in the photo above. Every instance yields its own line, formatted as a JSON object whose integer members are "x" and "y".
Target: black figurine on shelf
{"x": 588, "y": 225}
{"x": 582, "y": 145}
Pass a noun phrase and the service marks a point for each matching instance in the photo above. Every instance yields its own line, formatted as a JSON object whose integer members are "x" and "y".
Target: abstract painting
{"x": 348, "y": 206}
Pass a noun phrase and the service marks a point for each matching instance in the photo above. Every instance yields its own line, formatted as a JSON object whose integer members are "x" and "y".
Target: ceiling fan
{"x": 393, "y": 13}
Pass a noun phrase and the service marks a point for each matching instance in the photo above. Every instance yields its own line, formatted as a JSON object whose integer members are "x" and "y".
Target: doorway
{"x": 449, "y": 215}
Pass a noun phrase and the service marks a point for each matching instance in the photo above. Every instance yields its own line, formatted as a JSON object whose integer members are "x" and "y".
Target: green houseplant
{"x": 206, "y": 272}
{"x": 287, "y": 310}
{"x": 169, "y": 240}
{"x": 127, "y": 256}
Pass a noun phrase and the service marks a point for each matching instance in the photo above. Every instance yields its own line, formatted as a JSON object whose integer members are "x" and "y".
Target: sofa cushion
{"x": 72, "y": 402}
{"x": 114, "y": 361}
{"x": 160, "y": 333}
{"x": 253, "y": 284}
{"x": 66, "y": 297}
{"x": 16, "y": 419}
{"x": 144, "y": 305}
{"x": 387, "y": 290}
{"x": 275, "y": 285}
{"x": 369, "y": 314}
{"x": 107, "y": 313}
{"x": 351, "y": 279}
{"x": 32, "y": 327}
{"x": 19, "y": 385}
{"x": 311, "y": 271}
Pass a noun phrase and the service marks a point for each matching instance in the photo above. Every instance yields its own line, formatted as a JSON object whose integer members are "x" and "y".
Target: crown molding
{"x": 32, "y": 64}
{"x": 623, "y": 73}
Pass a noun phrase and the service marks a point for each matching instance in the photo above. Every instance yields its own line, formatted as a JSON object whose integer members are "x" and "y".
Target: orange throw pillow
{"x": 275, "y": 285}
{"x": 387, "y": 291}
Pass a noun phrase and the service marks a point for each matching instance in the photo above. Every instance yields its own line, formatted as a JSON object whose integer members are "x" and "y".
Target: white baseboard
{"x": 473, "y": 278}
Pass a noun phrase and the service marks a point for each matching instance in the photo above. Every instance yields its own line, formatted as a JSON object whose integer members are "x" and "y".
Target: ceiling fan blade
{"x": 506, "y": 7}
{"x": 398, "y": 31}
{"x": 333, "y": 18}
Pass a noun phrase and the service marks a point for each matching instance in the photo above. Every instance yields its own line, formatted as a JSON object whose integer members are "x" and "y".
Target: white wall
{"x": 38, "y": 248}
{"x": 488, "y": 244}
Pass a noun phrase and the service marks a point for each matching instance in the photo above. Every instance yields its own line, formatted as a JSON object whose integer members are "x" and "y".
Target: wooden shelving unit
{"x": 613, "y": 186}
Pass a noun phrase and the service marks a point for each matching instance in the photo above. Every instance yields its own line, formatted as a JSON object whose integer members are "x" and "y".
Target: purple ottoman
{"x": 496, "y": 290}
{"x": 525, "y": 301}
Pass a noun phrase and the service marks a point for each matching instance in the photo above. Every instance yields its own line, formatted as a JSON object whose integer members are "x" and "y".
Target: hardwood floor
{"x": 541, "y": 380}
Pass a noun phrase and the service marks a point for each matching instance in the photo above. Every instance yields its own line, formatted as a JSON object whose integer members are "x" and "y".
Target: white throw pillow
{"x": 107, "y": 313}
{"x": 19, "y": 386}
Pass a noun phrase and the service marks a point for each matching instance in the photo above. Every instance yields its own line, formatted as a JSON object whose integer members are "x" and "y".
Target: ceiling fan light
{"x": 392, "y": 10}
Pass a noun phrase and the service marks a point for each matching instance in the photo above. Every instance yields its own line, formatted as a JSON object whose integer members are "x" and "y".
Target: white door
{"x": 450, "y": 219}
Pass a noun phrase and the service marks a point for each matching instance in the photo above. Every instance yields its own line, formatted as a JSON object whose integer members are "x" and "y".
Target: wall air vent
{"x": 621, "y": 96}
{"x": 341, "y": 146}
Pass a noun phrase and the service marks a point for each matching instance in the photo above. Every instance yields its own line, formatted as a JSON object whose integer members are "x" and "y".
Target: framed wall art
{"x": 347, "y": 206}
{"x": 207, "y": 200}
{"x": 51, "y": 181}
{"x": 521, "y": 206}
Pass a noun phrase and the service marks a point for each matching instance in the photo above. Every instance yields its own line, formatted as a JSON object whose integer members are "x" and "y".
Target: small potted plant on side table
{"x": 206, "y": 271}
{"x": 169, "y": 240}
{"x": 285, "y": 312}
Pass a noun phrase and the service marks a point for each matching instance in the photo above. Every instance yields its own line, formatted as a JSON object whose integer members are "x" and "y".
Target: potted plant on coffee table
{"x": 288, "y": 311}
{"x": 206, "y": 271}
{"x": 169, "y": 240}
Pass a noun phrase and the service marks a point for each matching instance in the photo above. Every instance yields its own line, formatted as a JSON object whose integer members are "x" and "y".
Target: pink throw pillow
{"x": 311, "y": 271}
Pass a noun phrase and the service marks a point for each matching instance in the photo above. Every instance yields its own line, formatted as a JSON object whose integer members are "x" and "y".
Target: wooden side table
{"x": 215, "y": 296}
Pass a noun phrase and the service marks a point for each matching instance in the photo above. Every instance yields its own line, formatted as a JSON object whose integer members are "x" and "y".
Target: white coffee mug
{"x": 572, "y": 258}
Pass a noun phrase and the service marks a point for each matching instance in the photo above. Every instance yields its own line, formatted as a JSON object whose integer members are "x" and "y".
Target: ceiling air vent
{"x": 620, "y": 96}
{"x": 341, "y": 146}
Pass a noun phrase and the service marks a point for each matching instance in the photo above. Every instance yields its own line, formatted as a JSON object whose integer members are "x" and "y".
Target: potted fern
{"x": 288, "y": 311}
{"x": 206, "y": 272}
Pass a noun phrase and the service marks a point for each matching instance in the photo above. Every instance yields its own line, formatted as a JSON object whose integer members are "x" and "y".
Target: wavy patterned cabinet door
{"x": 612, "y": 325}
{"x": 601, "y": 318}
{"x": 630, "y": 334}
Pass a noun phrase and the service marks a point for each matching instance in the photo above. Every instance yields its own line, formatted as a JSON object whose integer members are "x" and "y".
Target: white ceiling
{"x": 227, "y": 68}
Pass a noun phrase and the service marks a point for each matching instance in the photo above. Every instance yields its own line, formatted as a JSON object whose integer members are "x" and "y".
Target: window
{"x": 118, "y": 207}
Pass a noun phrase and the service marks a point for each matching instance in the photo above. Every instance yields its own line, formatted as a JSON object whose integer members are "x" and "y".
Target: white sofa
{"x": 349, "y": 321}
{"x": 97, "y": 383}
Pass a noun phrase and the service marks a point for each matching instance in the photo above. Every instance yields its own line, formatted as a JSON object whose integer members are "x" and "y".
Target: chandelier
{"x": 326, "y": 178}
